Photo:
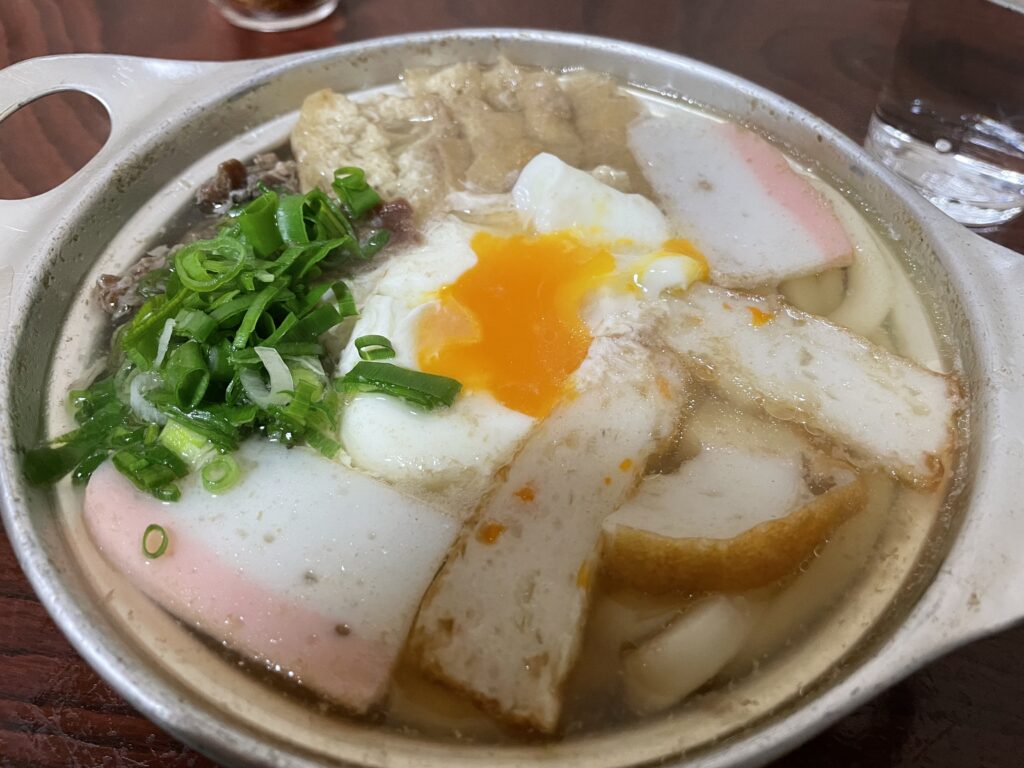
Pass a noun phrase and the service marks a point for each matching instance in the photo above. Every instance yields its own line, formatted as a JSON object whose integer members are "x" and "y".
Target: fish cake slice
{"x": 888, "y": 412}
{"x": 504, "y": 619}
{"x": 305, "y": 565}
{"x": 732, "y": 518}
{"x": 755, "y": 219}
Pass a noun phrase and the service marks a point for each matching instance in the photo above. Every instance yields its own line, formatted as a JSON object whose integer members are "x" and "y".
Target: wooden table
{"x": 828, "y": 55}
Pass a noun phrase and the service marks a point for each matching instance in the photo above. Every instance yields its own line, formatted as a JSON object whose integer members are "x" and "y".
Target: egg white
{"x": 450, "y": 455}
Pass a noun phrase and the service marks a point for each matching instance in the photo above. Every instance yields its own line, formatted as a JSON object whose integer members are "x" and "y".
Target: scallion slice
{"x": 206, "y": 265}
{"x": 280, "y": 386}
{"x": 358, "y": 197}
{"x": 195, "y": 324}
{"x": 345, "y": 300}
{"x": 256, "y": 308}
{"x": 186, "y": 375}
{"x": 374, "y": 347}
{"x": 220, "y": 473}
{"x": 187, "y": 444}
{"x": 317, "y": 322}
{"x": 49, "y": 464}
{"x": 152, "y": 530}
{"x": 424, "y": 389}
{"x": 291, "y": 221}
{"x": 165, "y": 341}
{"x": 258, "y": 222}
{"x": 375, "y": 242}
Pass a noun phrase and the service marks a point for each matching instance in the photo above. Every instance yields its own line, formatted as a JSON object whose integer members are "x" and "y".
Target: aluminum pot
{"x": 944, "y": 582}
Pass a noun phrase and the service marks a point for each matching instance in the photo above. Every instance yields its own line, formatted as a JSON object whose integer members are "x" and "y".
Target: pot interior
{"x": 205, "y": 697}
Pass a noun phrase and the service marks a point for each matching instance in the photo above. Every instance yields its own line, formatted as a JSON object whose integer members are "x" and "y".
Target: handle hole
{"x": 48, "y": 140}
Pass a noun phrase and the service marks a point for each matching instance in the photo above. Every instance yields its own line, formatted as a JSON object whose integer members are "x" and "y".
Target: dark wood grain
{"x": 829, "y": 56}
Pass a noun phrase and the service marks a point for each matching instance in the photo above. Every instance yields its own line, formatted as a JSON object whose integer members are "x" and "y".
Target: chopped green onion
{"x": 231, "y": 311}
{"x": 148, "y": 551}
{"x": 281, "y": 330}
{"x": 358, "y": 197}
{"x": 186, "y": 374}
{"x": 187, "y": 444}
{"x": 88, "y": 465}
{"x": 150, "y": 475}
{"x": 374, "y": 347}
{"x": 308, "y": 363}
{"x": 327, "y": 218}
{"x": 291, "y": 221}
{"x": 140, "y": 338}
{"x": 252, "y": 314}
{"x": 214, "y": 426}
{"x": 236, "y": 415}
{"x": 160, "y": 454}
{"x": 316, "y": 323}
{"x": 220, "y": 474}
{"x": 375, "y": 242}
{"x": 281, "y": 384}
{"x": 151, "y": 434}
{"x": 218, "y": 361}
{"x": 188, "y": 381}
{"x": 284, "y": 348}
{"x": 206, "y": 265}
{"x": 47, "y": 465}
{"x": 221, "y": 299}
{"x": 165, "y": 340}
{"x": 312, "y": 254}
{"x": 324, "y": 443}
{"x": 195, "y": 324}
{"x": 258, "y": 222}
{"x": 424, "y": 389}
{"x": 345, "y": 300}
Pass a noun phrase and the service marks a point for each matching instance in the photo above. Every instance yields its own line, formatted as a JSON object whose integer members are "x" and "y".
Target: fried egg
{"x": 509, "y": 314}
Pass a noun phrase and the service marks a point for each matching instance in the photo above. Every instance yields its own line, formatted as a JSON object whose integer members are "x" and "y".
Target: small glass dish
{"x": 275, "y": 15}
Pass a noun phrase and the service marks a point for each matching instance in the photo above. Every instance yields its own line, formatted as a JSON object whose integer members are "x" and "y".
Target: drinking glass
{"x": 275, "y": 15}
{"x": 950, "y": 118}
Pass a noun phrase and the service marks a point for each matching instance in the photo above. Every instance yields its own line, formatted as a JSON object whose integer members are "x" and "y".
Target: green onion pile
{"x": 231, "y": 346}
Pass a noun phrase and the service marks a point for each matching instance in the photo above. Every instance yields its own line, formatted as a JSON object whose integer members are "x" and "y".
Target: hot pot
{"x": 942, "y": 582}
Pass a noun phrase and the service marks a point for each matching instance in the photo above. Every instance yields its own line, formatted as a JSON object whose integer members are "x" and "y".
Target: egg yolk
{"x": 510, "y": 325}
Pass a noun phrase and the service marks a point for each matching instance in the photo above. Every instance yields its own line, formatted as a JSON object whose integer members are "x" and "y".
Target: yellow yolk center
{"x": 510, "y": 325}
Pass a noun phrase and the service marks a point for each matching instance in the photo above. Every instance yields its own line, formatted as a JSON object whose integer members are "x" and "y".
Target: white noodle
{"x": 822, "y": 582}
{"x": 816, "y": 294}
{"x": 912, "y": 334}
{"x": 869, "y": 286}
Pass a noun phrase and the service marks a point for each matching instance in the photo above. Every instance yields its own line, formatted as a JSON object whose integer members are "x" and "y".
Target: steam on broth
{"x": 683, "y": 358}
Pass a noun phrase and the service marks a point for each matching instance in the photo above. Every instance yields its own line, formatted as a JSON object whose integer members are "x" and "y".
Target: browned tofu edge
{"x": 759, "y": 556}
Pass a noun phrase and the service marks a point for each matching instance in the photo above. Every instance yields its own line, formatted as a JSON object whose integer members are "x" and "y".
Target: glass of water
{"x": 275, "y": 15}
{"x": 950, "y": 118}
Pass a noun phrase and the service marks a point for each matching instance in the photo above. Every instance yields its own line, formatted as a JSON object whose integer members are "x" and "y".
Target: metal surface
{"x": 167, "y": 117}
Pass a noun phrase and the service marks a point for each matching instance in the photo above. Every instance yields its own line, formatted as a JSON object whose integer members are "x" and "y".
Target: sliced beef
{"x": 119, "y": 294}
{"x": 236, "y": 183}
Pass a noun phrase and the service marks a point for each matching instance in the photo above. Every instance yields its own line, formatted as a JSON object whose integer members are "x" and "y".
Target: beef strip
{"x": 395, "y": 215}
{"x": 119, "y": 294}
{"x": 236, "y": 183}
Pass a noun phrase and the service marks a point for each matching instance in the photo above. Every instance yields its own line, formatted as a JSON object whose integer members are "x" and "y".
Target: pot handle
{"x": 132, "y": 90}
{"x": 986, "y": 564}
